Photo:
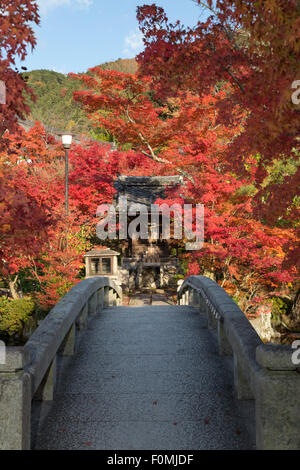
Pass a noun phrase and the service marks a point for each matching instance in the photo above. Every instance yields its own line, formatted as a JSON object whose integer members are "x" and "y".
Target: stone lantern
{"x": 101, "y": 262}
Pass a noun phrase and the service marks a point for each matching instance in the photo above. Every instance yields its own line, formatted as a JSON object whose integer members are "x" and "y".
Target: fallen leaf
{"x": 207, "y": 420}
{"x": 88, "y": 444}
{"x": 154, "y": 403}
{"x": 175, "y": 423}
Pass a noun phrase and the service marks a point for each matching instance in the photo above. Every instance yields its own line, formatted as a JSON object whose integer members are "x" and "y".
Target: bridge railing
{"x": 29, "y": 372}
{"x": 266, "y": 373}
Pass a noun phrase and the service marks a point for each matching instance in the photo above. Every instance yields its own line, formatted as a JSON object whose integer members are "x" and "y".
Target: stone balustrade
{"x": 29, "y": 372}
{"x": 262, "y": 372}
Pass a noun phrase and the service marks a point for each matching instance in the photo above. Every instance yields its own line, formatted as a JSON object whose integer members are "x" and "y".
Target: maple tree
{"x": 34, "y": 225}
{"x": 253, "y": 46}
{"x": 16, "y": 20}
{"x": 178, "y": 130}
{"x": 184, "y": 135}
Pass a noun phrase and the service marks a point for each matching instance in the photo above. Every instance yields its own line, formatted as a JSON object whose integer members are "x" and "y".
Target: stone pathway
{"x": 141, "y": 300}
{"x": 145, "y": 378}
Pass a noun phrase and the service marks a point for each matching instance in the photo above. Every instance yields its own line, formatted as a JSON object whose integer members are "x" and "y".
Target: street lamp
{"x": 66, "y": 141}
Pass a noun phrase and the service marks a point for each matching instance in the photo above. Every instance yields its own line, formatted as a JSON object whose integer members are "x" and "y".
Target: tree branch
{"x": 152, "y": 154}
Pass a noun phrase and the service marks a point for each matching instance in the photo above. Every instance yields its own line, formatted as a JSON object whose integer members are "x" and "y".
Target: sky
{"x": 77, "y": 34}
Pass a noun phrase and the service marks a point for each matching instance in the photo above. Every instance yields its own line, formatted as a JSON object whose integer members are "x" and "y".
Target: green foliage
{"x": 280, "y": 306}
{"x": 54, "y": 106}
{"x": 283, "y": 168}
{"x": 177, "y": 277}
{"x": 14, "y": 314}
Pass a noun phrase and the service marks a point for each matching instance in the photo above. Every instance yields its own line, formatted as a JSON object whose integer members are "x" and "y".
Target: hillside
{"x": 121, "y": 65}
{"x": 54, "y": 105}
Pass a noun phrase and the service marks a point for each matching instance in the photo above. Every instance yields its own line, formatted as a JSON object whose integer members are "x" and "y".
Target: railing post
{"x": 82, "y": 320}
{"x": 212, "y": 323}
{"x": 15, "y": 401}
{"x": 112, "y": 296}
{"x": 106, "y": 296}
{"x": 277, "y": 399}
{"x": 241, "y": 383}
{"x": 191, "y": 296}
{"x": 45, "y": 392}
{"x": 100, "y": 299}
{"x": 277, "y": 410}
{"x": 179, "y": 284}
{"x": 225, "y": 348}
{"x": 92, "y": 304}
{"x": 119, "y": 301}
{"x": 68, "y": 346}
{"x": 196, "y": 299}
{"x": 201, "y": 304}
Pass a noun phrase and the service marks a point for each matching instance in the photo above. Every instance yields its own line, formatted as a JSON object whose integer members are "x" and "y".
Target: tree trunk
{"x": 13, "y": 288}
{"x": 295, "y": 314}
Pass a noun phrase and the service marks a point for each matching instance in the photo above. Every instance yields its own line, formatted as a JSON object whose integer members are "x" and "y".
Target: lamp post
{"x": 66, "y": 141}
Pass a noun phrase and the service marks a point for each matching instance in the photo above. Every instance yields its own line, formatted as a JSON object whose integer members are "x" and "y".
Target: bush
{"x": 14, "y": 314}
{"x": 280, "y": 307}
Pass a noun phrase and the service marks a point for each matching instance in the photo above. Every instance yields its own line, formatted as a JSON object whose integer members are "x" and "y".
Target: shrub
{"x": 280, "y": 307}
{"x": 14, "y": 314}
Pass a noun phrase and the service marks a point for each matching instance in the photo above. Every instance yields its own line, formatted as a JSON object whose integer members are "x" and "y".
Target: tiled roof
{"x": 145, "y": 189}
{"x": 102, "y": 252}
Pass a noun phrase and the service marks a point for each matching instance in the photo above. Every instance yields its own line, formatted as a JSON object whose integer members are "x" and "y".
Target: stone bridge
{"x": 96, "y": 375}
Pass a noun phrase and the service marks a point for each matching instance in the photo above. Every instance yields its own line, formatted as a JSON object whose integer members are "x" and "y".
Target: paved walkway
{"x": 145, "y": 378}
{"x": 141, "y": 300}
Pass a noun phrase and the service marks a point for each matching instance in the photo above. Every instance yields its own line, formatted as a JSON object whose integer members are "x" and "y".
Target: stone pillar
{"x": 68, "y": 345}
{"x": 191, "y": 296}
{"x": 115, "y": 265}
{"x": 202, "y": 304}
{"x": 277, "y": 398}
{"x": 82, "y": 320}
{"x": 277, "y": 410}
{"x": 92, "y": 304}
{"x": 15, "y": 401}
{"x": 112, "y": 298}
{"x": 87, "y": 260}
{"x": 241, "y": 382}
{"x": 100, "y": 299}
{"x": 45, "y": 391}
{"x": 196, "y": 299}
{"x": 106, "y": 296}
{"x": 212, "y": 323}
{"x": 225, "y": 348}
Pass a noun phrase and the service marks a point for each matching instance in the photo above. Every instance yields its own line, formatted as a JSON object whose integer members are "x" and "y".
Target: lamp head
{"x": 66, "y": 140}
